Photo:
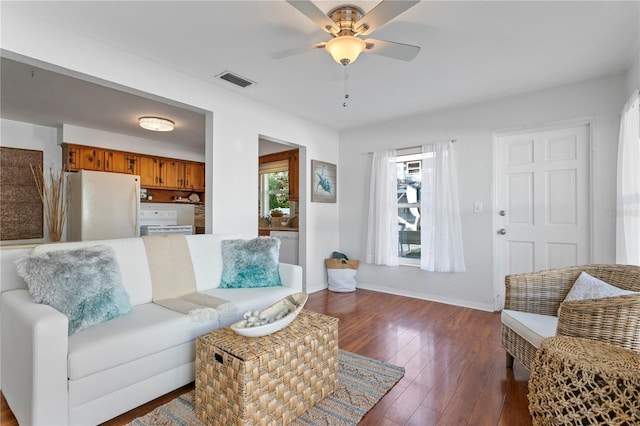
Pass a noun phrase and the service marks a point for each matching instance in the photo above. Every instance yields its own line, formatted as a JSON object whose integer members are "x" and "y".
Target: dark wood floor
{"x": 455, "y": 367}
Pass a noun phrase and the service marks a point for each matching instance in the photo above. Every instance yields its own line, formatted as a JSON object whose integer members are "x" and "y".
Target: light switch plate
{"x": 477, "y": 207}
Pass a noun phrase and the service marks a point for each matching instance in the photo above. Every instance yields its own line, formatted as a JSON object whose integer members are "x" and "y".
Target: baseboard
{"x": 317, "y": 288}
{"x": 430, "y": 297}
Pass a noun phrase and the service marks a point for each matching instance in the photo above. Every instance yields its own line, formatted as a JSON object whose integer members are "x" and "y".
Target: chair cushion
{"x": 534, "y": 328}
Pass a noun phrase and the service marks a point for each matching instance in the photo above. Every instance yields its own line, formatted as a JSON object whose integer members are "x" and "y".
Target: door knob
{"x": 502, "y": 231}
{"x": 502, "y": 213}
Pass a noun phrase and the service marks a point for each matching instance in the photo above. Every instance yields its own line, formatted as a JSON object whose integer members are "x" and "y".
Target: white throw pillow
{"x": 588, "y": 287}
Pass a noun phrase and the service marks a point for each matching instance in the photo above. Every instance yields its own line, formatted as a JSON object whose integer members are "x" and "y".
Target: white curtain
{"x": 441, "y": 234}
{"x": 382, "y": 229}
{"x": 628, "y": 191}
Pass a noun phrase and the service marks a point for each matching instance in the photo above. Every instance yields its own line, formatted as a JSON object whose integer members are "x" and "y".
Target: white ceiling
{"x": 471, "y": 51}
{"x": 49, "y": 98}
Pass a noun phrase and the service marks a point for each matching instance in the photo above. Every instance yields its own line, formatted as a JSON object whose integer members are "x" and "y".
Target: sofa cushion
{"x": 89, "y": 388}
{"x": 534, "y": 328}
{"x": 131, "y": 257}
{"x": 148, "y": 329}
{"x": 84, "y": 284}
{"x": 206, "y": 256}
{"x": 250, "y": 263}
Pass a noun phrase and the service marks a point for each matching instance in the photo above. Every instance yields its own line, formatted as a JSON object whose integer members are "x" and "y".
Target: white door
{"x": 542, "y": 201}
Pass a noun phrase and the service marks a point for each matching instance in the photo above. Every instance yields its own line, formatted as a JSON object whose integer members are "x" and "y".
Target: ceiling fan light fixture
{"x": 345, "y": 49}
{"x": 156, "y": 124}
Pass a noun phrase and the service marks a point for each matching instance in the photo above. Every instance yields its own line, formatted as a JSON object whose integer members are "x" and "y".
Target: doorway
{"x": 543, "y": 215}
{"x": 280, "y": 202}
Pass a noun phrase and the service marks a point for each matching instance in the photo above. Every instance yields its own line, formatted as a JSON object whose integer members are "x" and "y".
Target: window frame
{"x": 264, "y": 171}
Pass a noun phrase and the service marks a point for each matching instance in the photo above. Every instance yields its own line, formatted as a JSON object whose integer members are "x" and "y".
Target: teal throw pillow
{"x": 84, "y": 284}
{"x": 250, "y": 263}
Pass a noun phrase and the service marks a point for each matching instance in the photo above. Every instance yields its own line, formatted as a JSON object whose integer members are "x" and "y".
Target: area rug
{"x": 362, "y": 382}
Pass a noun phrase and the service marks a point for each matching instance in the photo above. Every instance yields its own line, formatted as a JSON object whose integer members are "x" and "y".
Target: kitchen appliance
{"x": 162, "y": 222}
{"x": 103, "y": 206}
{"x": 288, "y": 246}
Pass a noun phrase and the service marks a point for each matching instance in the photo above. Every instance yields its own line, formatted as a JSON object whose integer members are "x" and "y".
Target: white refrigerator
{"x": 103, "y": 206}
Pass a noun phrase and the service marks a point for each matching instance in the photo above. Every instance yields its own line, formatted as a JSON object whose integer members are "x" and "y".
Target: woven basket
{"x": 269, "y": 380}
{"x": 577, "y": 381}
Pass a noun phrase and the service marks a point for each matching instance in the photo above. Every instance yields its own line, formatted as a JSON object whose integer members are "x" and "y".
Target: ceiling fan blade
{"x": 296, "y": 50}
{"x": 404, "y": 52}
{"x": 312, "y": 12}
{"x": 381, "y": 14}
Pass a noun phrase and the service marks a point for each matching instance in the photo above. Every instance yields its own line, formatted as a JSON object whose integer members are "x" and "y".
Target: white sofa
{"x": 50, "y": 378}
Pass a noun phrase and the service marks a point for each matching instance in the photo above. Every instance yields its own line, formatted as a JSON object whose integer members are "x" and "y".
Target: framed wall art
{"x": 324, "y": 182}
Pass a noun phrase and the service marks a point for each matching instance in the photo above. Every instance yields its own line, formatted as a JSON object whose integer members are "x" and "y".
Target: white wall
{"x": 231, "y": 156}
{"x": 15, "y": 134}
{"x": 472, "y": 127}
{"x": 632, "y": 79}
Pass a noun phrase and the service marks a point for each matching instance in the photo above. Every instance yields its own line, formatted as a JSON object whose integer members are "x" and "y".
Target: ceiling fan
{"x": 347, "y": 24}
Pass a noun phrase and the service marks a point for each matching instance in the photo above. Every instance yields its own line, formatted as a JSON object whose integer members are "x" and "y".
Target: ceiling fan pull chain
{"x": 346, "y": 87}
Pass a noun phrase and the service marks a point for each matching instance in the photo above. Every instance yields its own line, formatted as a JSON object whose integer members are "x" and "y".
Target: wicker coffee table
{"x": 266, "y": 380}
{"x": 576, "y": 381}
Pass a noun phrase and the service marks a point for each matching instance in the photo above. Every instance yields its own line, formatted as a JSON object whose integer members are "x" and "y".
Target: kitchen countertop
{"x": 278, "y": 228}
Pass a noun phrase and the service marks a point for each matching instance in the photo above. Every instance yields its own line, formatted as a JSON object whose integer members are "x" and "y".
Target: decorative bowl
{"x": 295, "y": 302}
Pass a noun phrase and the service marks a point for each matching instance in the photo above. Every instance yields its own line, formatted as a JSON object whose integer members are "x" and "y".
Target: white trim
{"x": 430, "y": 298}
{"x": 411, "y": 262}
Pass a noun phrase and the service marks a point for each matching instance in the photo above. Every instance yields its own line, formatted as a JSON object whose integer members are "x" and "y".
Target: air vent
{"x": 235, "y": 79}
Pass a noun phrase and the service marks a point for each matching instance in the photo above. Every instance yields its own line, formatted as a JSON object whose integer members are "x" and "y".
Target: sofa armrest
{"x": 613, "y": 320}
{"x": 34, "y": 359}
{"x": 291, "y": 276}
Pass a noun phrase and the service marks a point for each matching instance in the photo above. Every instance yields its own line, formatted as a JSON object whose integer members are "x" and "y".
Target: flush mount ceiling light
{"x": 156, "y": 124}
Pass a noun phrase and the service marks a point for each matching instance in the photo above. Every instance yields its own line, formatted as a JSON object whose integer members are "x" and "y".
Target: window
{"x": 409, "y": 183}
{"x": 274, "y": 187}
{"x": 417, "y": 233}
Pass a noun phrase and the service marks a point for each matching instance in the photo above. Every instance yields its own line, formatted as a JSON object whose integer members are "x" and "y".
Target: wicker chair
{"x": 613, "y": 320}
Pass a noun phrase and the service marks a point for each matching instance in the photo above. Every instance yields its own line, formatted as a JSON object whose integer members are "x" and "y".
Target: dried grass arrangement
{"x": 53, "y": 189}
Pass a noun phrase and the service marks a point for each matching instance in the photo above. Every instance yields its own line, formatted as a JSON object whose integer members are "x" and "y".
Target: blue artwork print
{"x": 323, "y": 182}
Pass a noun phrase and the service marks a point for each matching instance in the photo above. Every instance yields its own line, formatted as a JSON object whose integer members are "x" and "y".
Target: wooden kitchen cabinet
{"x": 159, "y": 173}
{"x": 172, "y": 172}
{"x": 83, "y": 158}
{"x": 149, "y": 172}
{"x": 120, "y": 162}
{"x": 194, "y": 176}
{"x": 155, "y": 172}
